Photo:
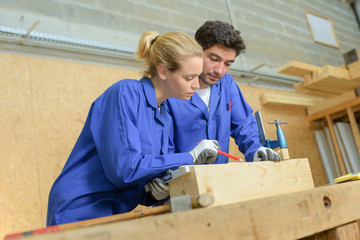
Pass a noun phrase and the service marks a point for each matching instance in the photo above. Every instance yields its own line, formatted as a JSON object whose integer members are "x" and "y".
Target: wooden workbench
{"x": 279, "y": 201}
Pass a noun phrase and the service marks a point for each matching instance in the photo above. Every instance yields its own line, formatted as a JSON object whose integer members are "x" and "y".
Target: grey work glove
{"x": 266, "y": 154}
{"x": 205, "y": 152}
{"x": 159, "y": 190}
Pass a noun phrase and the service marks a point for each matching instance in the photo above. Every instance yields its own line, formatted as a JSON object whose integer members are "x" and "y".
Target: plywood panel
{"x": 19, "y": 182}
{"x": 62, "y": 94}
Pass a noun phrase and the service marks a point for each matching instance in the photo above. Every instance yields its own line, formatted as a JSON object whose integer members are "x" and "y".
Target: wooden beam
{"x": 354, "y": 69}
{"x": 339, "y": 158}
{"x": 329, "y": 103}
{"x": 297, "y": 69}
{"x": 234, "y": 182}
{"x": 354, "y": 127}
{"x": 333, "y": 110}
{"x": 287, "y": 216}
{"x": 332, "y": 79}
{"x": 289, "y": 100}
{"x": 299, "y": 88}
{"x": 349, "y": 231}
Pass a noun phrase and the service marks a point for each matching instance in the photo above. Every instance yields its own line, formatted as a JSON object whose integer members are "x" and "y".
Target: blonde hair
{"x": 169, "y": 49}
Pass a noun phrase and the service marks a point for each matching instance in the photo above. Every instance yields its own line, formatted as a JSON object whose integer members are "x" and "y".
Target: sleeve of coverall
{"x": 117, "y": 140}
{"x": 244, "y": 129}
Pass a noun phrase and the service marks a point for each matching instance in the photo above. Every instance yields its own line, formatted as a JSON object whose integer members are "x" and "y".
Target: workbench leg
{"x": 348, "y": 231}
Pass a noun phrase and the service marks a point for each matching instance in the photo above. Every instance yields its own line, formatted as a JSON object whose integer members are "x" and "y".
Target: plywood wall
{"x": 44, "y": 103}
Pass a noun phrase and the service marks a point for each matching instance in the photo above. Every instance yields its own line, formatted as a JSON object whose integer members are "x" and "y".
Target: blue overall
{"x": 192, "y": 122}
{"x": 123, "y": 145}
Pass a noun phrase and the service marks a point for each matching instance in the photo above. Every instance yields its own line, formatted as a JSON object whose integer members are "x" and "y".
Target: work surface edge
{"x": 287, "y": 216}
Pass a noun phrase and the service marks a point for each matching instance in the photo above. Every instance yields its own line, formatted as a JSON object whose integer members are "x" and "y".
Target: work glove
{"x": 205, "y": 152}
{"x": 159, "y": 190}
{"x": 266, "y": 154}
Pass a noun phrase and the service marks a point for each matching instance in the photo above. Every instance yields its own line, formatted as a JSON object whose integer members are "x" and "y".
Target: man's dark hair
{"x": 216, "y": 32}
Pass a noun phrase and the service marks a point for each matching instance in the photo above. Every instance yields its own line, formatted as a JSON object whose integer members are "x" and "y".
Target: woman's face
{"x": 183, "y": 82}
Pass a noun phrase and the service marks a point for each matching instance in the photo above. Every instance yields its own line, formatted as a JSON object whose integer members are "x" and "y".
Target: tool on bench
{"x": 177, "y": 204}
{"x": 280, "y": 142}
{"x": 348, "y": 177}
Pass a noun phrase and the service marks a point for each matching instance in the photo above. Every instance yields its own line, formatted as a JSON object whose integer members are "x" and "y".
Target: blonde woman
{"x": 125, "y": 140}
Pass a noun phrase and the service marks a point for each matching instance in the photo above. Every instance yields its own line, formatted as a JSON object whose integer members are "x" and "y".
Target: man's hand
{"x": 205, "y": 152}
{"x": 159, "y": 190}
{"x": 266, "y": 154}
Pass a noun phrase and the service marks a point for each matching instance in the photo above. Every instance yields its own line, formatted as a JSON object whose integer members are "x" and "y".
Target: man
{"x": 218, "y": 109}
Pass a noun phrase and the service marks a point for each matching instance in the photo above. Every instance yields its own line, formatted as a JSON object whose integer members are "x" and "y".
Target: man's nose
{"x": 219, "y": 69}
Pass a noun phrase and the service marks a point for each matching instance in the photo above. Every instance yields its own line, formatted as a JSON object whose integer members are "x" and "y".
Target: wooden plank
{"x": 234, "y": 182}
{"x": 354, "y": 127}
{"x": 334, "y": 110}
{"x": 349, "y": 231}
{"x": 299, "y": 88}
{"x": 354, "y": 69}
{"x": 297, "y": 69}
{"x": 339, "y": 158}
{"x": 329, "y": 103}
{"x": 332, "y": 79}
{"x": 288, "y": 216}
{"x": 289, "y": 100}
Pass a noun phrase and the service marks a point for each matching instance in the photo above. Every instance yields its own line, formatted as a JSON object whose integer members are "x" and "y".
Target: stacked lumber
{"x": 325, "y": 81}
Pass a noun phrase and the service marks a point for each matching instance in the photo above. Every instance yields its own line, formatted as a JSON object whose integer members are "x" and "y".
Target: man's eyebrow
{"x": 216, "y": 55}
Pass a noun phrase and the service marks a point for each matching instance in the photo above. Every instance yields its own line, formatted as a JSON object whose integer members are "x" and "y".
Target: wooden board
{"x": 332, "y": 79}
{"x": 354, "y": 69}
{"x": 297, "y": 69}
{"x": 289, "y": 100}
{"x": 334, "y": 110}
{"x": 235, "y": 182}
{"x": 326, "y": 104}
{"x": 299, "y": 88}
{"x": 286, "y": 216}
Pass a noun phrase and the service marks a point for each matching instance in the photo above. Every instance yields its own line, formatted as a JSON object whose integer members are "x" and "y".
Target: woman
{"x": 125, "y": 140}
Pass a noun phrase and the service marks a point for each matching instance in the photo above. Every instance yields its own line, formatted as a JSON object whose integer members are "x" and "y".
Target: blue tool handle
{"x": 281, "y": 138}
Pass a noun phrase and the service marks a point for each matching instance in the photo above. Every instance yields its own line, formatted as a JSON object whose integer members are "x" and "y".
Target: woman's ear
{"x": 162, "y": 71}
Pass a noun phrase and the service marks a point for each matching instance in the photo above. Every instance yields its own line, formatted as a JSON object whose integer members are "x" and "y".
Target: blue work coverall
{"x": 123, "y": 145}
{"x": 193, "y": 123}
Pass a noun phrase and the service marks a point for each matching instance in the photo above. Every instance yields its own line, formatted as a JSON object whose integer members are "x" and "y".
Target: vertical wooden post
{"x": 339, "y": 158}
{"x": 348, "y": 231}
{"x": 354, "y": 127}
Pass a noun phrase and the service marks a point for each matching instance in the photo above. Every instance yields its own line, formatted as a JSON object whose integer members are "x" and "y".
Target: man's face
{"x": 217, "y": 61}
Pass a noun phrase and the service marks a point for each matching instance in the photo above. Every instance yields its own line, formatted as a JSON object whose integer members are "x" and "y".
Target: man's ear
{"x": 162, "y": 71}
